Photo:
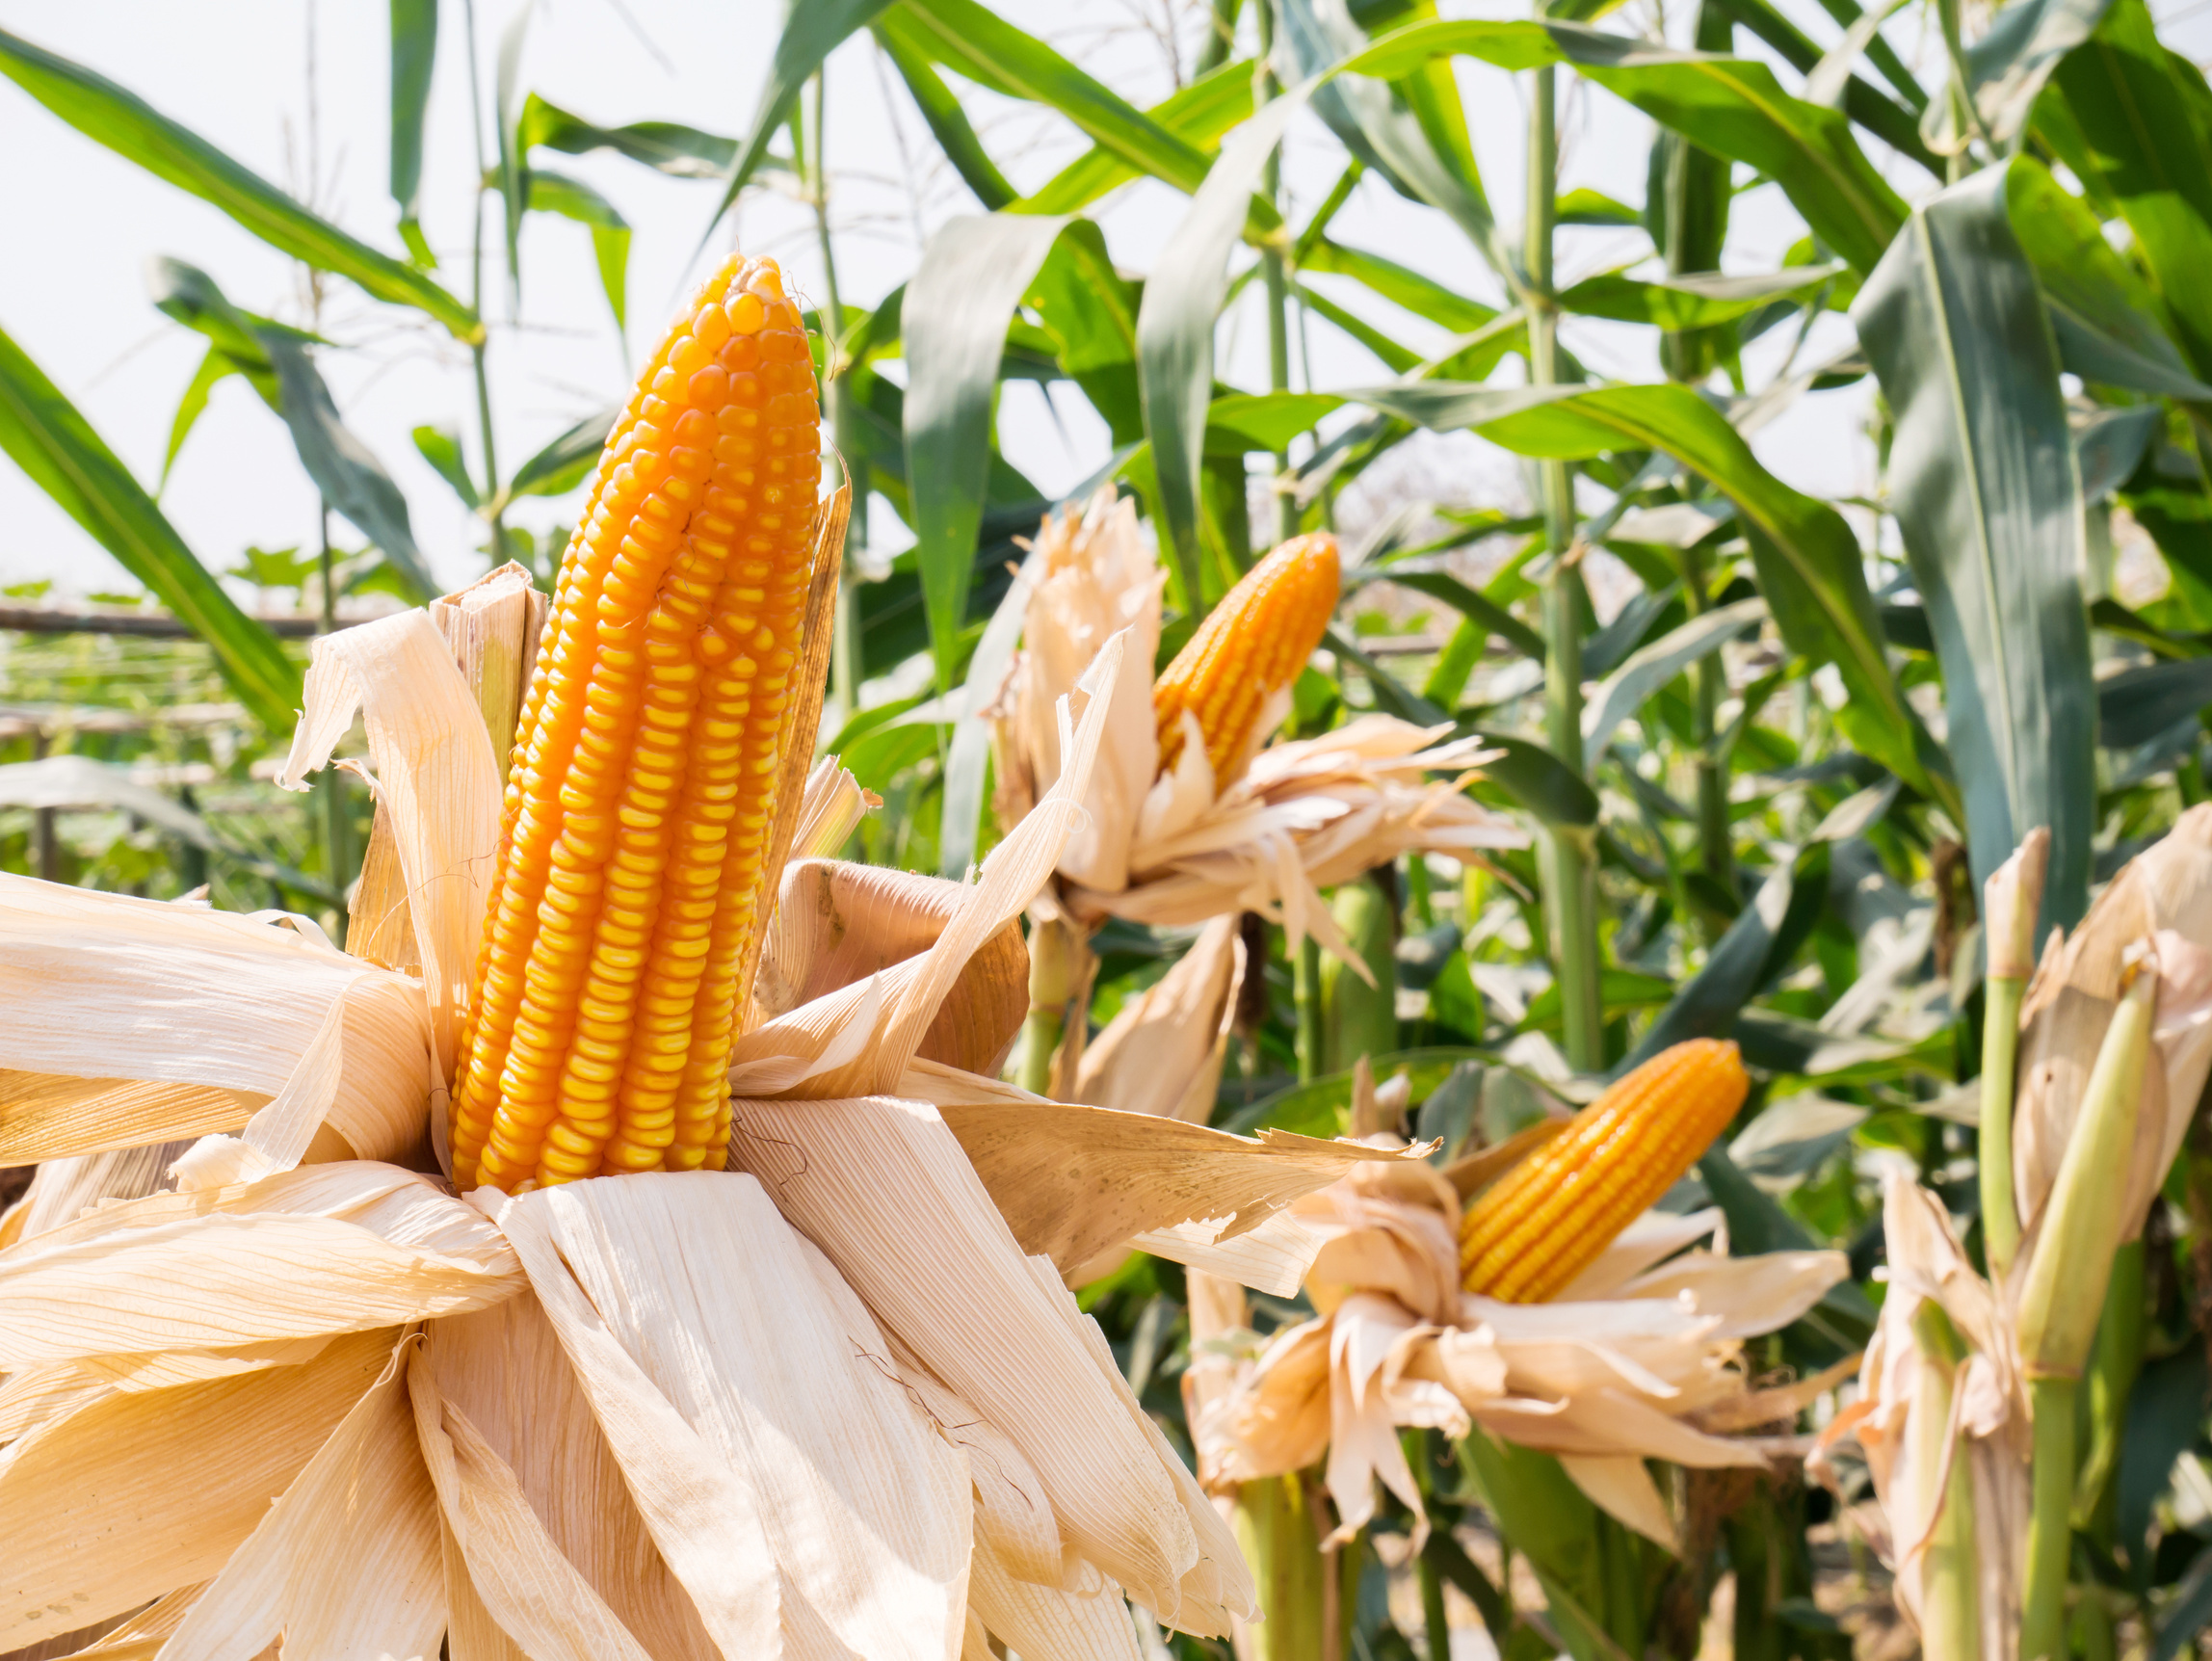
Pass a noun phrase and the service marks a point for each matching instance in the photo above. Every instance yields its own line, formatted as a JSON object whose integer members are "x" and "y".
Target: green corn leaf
{"x": 2137, "y": 706}
{"x": 1731, "y": 106}
{"x": 1984, "y": 485}
{"x": 948, "y": 123}
{"x": 956, "y": 312}
{"x": 348, "y": 475}
{"x": 1756, "y": 948}
{"x": 1197, "y": 114}
{"x": 667, "y": 147}
{"x": 414, "y": 52}
{"x": 440, "y": 447}
{"x": 2142, "y": 136}
{"x": 214, "y": 367}
{"x": 102, "y": 111}
{"x": 1175, "y": 327}
{"x": 565, "y": 462}
{"x": 1895, "y": 125}
{"x": 811, "y": 32}
{"x": 1624, "y": 690}
{"x": 53, "y": 443}
{"x": 1697, "y": 300}
{"x": 572, "y": 199}
{"x": 1539, "y": 781}
{"x": 1808, "y": 561}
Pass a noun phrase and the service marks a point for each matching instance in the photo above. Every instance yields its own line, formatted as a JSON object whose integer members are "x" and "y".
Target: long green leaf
{"x": 948, "y": 123}
{"x": 563, "y": 465}
{"x": 215, "y": 366}
{"x": 1810, "y": 566}
{"x": 811, "y": 32}
{"x": 414, "y": 54}
{"x": 1984, "y": 484}
{"x": 1539, "y": 781}
{"x": 1695, "y": 301}
{"x": 667, "y": 147}
{"x": 2142, "y": 116}
{"x": 573, "y": 199}
{"x": 1175, "y": 327}
{"x": 54, "y": 444}
{"x": 440, "y": 447}
{"x": 1757, "y": 946}
{"x": 348, "y": 475}
{"x": 2008, "y": 68}
{"x": 956, "y": 313}
{"x": 2137, "y": 706}
{"x": 1624, "y": 692}
{"x": 1731, "y": 106}
{"x": 99, "y": 108}
{"x": 1376, "y": 121}
{"x": 1198, "y": 114}
{"x": 1894, "y": 125}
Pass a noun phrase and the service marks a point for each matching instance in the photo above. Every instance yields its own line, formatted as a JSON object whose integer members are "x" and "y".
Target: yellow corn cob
{"x": 643, "y": 790}
{"x": 1545, "y": 1221}
{"x": 1249, "y": 647}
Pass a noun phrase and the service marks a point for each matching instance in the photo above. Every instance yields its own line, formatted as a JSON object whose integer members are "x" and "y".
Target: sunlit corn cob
{"x": 1249, "y": 647}
{"x": 1544, "y": 1222}
{"x": 642, "y": 792}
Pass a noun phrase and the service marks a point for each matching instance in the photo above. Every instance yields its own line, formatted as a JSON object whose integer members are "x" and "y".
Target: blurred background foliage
{"x": 1771, "y": 741}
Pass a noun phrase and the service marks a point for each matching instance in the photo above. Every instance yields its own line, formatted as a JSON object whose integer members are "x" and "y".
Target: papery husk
{"x": 1097, "y": 578}
{"x": 1989, "y": 1410}
{"x": 1604, "y": 1383}
{"x": 884, "y": 1188}
{"x": 1073, "y": 1181}
{"x": 1306, "y": 815}
{"x": 63, "y": 1189}
{"x": 2069, "y": 1004}
{"x": 47, "y": 1118}
{"x": 859, "y": 1039}
{"x": 504, "y": 1370}
{"x": 493, "y": 629}
{"x": 347, "y": 1561}
{"x": 830, "y": 809}
{"x": 1163, "y": 1051}
{"x": 99, "y": 986}
{"x": 1048, "y": 1623}
{"x": 99, "y": 1517}
{"x": 837, "y": 923}
{"x": 788, "y": 1384}
{"x": 323, "y": 1250}
{"x": 137, "y": 1637}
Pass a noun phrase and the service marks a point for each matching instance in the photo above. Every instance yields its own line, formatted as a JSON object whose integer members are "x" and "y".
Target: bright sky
{"x": 87, "y": 224}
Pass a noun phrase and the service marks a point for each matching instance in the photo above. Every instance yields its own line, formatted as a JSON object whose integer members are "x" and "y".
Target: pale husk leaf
{"x": 1622, "y": 1486}
{"x": 885, "y": 1188}
{"x": 1045, "y": 1622}
{"x": 2069, "y": 1004}
{"x": 345, "y": 1562}
{"x": 46, "y": 1117}
{"x": 104, "y": 986}
{"x": 830, "y": 810}
{"x": 860, "y": 1038}
{"x": 1096, "y": 577}
{"x": 698, "y": 1507}
{"x": 837, "y": 923}
{"x": 525, "y": 1585}
{"x": 322, "y": 1249}
{"x": 95, "y": 1515}
{"x": 1162, "y": 1052}
{"x": 867, "y": 1509}
{"x": 437, "y": 780}
{"x": 62, "y": 1188}
{"x": 504, "y": 1369}
{"x": 1072, "y": 1181}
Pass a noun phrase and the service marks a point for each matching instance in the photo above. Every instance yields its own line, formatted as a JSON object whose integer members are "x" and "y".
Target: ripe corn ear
{"x": 1547, "y": 1218}
{"x": 642, "y": 798}
{"x": 1249, "y": 647}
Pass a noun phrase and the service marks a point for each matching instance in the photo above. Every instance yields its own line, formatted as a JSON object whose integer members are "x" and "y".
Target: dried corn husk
{"x": 1170, "y": 848}
{"x": 1625, "y": 1367}
{"x": 2167, "y": 889}
{"x": 1989, "y": 1410}
{"x": 1162, "y": 1053}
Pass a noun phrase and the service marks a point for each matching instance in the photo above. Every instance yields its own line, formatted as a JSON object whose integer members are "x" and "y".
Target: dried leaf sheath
{"x": 637, "y": 818}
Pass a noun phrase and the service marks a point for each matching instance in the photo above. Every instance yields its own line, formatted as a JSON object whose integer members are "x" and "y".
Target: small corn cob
{"x": 1547, "y": 1218}
{"x": 641, "y": 794}
{"x": 1249, "y": 647}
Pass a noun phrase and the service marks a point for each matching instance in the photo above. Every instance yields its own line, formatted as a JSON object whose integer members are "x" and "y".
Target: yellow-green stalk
{"x": 1058, "y": 975}
{"x": 2010, "y": 900}
{"x": 1359, "y": 1015}
{"x": 2063, "y": 1297}
{"x": 1950, "y": 1602}
{"x": 1281, "y": 1541}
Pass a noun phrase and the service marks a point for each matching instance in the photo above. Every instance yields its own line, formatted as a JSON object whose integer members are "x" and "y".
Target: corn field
{"x": 1304, "y": 830}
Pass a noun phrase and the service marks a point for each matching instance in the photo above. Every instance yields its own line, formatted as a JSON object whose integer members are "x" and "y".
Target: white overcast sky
{"x": 82, "y": 223}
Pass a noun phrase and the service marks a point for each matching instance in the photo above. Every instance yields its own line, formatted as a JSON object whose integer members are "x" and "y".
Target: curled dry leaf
{"x": 1162, "y": 1053}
